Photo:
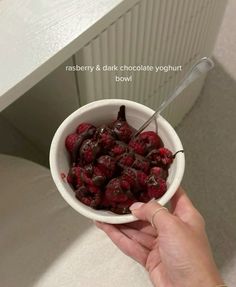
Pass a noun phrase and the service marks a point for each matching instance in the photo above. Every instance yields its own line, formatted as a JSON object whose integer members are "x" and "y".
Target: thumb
{"x": 151, "y": 211}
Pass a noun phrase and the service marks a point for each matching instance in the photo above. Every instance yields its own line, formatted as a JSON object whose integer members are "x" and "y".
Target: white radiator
{"x": 152, "y": 32}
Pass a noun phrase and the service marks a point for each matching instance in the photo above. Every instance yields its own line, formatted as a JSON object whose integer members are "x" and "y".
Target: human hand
{"x": 177, "y": 252}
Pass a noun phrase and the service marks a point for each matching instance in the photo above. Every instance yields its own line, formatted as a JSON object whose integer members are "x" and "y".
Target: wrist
{"x": 214, "y": 280}
{"x": 210, "y": 278}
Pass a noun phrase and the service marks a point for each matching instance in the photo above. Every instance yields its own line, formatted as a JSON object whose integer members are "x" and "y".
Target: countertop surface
{"x": 36, "y": 36}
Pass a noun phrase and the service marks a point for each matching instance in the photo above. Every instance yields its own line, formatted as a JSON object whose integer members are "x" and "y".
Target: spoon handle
{"x": 199, "y": 68}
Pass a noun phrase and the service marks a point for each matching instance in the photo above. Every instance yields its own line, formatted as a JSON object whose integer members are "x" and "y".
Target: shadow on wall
{"x": 209, "y": 139}
{"x": 14, "y": 143}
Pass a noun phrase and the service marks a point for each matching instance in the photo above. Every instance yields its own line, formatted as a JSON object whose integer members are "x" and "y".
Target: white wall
{"x": 38, "y": 113}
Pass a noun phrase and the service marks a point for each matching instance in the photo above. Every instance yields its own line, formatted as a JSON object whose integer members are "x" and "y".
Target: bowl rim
{"x": 80, "y": 207}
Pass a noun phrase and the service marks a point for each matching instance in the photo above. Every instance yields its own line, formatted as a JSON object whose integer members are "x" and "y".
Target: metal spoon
{"x": 201, "y": 67}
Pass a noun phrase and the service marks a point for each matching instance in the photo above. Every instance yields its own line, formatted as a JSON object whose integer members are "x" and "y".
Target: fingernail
{"x": 135, "y": 205}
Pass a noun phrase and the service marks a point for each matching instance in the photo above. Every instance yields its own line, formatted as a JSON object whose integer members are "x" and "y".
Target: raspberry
{"x": 89, "y": 169}
{"x": 142, "y": 177}
{"x": 116, "y": 190}
{"x": 156, "y": 187}
{"x": 82, "y": 191}
{"x": 145, "y": 142}
{"x": 159, "y": 172}
{"x": 130, "y": 175}
{"x": 151, "y": 140}
{"x": 144, "y": 197}
{"x": 72, "y": 177}
{"x": 78, "y": 176}
{"x": 71, "y": 141}
{"x": 93, "y": 189}
{"x": 105, "y": 136}
{"x": 118, "y": 148}
{"x": 85, "y": 127}
{"x": 135, "y": 178}
{"x": 89, "y": 151}
{"x": 161, "y": 157}
{"x": 91, "y": 199}
{"x": 107, "y": 164}
{"x": 141, "y": 163}
{"x": 84, "y": 177}
{"x": 137, "y": 146}
{"x": 106, "y": 204}
{"x": 74, "y": 142}
{"x": 98, "y": 177}
{"x": 126, "y": 160}
{"x": 121, "y": 128}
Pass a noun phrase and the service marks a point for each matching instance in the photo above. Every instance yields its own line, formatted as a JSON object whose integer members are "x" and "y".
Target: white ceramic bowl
{"x": 98, "y": 113}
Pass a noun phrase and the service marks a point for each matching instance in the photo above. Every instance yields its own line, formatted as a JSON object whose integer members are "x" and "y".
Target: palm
{"x": 157, "y": 269}
{"x": 138, "y": 240}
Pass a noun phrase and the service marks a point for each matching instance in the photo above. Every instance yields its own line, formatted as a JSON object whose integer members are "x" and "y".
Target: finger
{"x": 145, "y": 211}
{"x": 154, "y": 259}
{"x": 143, "y": 226}
{"x": 125, "y": 244}
{"x": 142, "y": 238}
{"x": 180, "y": 202}
{"x": 182, "y": 207}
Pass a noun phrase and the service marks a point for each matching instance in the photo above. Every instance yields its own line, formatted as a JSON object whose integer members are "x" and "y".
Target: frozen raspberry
{"x": 78, "y": 176}
{"x": 159, "y": 172}
{"x": 144, "y": 197}
{"x": 118, "y": 149}
{"x": 145, "y": 142}
{"x": 166, "y": 157}
{"x": 107, "y": 164}
{"x": 89, "y": 151}
{"x": 125, "y": 160}
{"x": 116, "y": 190}
{"x": 130, "y": 175}
{"x": 151, "y": 140}
{"x": 106, "y": 204}
{"x": 121, "y": 128}
{"x": 161, "y": 157}
{"x": 85, "y": 127}
{"x": 71, "y": 141}
{"x": 141, "y": 163}
{"x": 72, "y": 177}
{"x": 93, "y": 189}
{"x": 156, "y": 187}
{"x": 141, "y": 178}
{"x": 136, "y": 178}
{"x": 87, "y": 197}
{"x": 105, "y": 136}
{"x": 137, "y": 146}
{"x": 89, "y": 169}
{"x": 85, "y": 177}
{"x": 98, "y": 176}
{"x": 74, "y": 142}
